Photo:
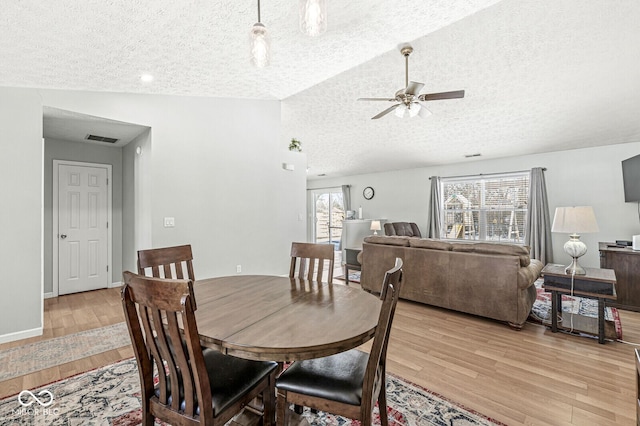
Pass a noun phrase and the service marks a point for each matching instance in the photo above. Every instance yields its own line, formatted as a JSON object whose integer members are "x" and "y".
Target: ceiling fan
{"x": 409, "y": 102}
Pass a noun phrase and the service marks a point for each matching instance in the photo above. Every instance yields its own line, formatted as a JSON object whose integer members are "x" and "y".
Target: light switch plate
{"x": 169, "y": 222}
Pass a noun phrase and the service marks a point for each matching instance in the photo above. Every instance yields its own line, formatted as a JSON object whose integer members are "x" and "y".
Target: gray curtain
{"x": 346, "y": 203}
{"x": 434, "y": 209}
{"x": 538, "y": 229}
{"x": 346, "y": 197}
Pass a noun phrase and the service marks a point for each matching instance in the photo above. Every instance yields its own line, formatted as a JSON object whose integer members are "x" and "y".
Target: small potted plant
{"x": 295, "y": 145}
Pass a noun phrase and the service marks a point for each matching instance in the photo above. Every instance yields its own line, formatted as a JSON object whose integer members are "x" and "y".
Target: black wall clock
{"x": 368, "y": 193}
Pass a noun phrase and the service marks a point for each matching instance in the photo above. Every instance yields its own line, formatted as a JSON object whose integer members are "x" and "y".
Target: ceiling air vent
{"x": 101, "y": 139}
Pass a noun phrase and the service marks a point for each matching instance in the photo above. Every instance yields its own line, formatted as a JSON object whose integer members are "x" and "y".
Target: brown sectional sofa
{"x": 487, "y": 279}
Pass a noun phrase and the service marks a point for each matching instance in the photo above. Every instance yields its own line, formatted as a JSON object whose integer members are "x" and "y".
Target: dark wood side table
{"x": 597, "y": 284}
{"x": 626, "y": 263}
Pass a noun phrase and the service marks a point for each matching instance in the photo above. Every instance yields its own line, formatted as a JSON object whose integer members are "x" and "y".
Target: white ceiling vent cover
{"x": 101, "y": 138}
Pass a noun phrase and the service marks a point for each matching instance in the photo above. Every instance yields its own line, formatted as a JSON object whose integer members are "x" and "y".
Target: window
{"x": 485, "y": 207}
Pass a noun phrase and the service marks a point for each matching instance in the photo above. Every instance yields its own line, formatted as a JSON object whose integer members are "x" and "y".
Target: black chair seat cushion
{"x": 230, "y": 378}
{"x": 337, "y": 377}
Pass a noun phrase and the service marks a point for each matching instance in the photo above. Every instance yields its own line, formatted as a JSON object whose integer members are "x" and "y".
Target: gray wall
{"x": 21, "y": 213}
{"x": 90, "y": 153}
{"x": 590, "y": 176}
{"x": 131, "y": 222}
{"x": 213, "y": 164}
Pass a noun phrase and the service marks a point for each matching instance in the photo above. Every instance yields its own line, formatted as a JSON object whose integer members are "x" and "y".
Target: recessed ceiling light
{"x": 146, "y": 78}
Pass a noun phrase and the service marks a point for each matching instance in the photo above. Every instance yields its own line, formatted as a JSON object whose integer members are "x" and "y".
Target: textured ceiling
{"x": 201, "y": 47}
{"x": 539, "y": 75}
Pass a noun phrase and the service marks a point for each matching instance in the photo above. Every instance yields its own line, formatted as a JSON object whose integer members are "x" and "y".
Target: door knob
{"x": 63, "y": 236}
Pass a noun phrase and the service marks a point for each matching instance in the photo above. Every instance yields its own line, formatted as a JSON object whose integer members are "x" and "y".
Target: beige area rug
{"x": 37, "y": 356}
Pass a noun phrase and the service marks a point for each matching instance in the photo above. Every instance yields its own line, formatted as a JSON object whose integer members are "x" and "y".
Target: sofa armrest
{"x": 527, "y": 275}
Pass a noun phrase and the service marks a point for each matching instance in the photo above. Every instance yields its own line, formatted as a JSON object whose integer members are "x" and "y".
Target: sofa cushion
{"x": 496, "y": 248}
{"x": 402, "y": 229}
{"x": 429, "y": 243}
{"x": 390, "y": 241}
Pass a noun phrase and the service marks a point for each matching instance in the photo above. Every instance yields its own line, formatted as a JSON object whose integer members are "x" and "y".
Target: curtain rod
{"x": 329, "y": 187}
{"x": 544, "y": 169}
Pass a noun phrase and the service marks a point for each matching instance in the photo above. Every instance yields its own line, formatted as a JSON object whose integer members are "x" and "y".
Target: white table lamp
{"x": 375, "y": 226}
{"x": 574, "y": 221}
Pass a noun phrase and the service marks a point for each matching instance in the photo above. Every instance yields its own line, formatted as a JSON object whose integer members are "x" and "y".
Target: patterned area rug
{"x": 37, "y": 356}
{"x": 111, "y": 396}
{"x": 353, "y": 277}
{"x": 541, "y": 311}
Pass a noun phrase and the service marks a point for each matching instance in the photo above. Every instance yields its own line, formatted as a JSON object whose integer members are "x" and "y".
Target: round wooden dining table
{"x": 282, "y": 319}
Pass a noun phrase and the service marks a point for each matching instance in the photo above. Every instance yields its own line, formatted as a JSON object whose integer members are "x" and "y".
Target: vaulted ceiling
{"x": 539, "y": 75}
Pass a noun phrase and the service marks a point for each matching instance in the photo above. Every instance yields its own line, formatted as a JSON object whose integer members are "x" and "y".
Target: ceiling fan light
{"x": 260, "y": 46}
{"x": 313, "y": 17}
{"x": 401, "y": 111}
{"x": 424, "y": 112}
{"x": 414, "y": 109}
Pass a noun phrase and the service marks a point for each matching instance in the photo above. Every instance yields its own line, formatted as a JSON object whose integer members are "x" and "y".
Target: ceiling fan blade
{"x": 444, "y": 95}
{"x": 385, "y": 112}
{"x": 413, "y": 88}
{"x": 376, "y": 99}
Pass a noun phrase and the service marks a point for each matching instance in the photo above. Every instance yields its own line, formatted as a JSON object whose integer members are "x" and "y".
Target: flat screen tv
{"x": 631, "y": 179}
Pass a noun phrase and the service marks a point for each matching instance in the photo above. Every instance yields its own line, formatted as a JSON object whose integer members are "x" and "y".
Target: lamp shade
{"x": 574, "y": 220}
{"x": 375, "y": 226}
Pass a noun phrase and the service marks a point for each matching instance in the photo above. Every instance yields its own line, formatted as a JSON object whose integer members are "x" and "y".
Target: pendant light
{"x": 313, "y": 16}
{"x": 260, "y": 44}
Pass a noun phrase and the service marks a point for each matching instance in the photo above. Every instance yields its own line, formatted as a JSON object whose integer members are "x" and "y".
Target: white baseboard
{"x": 49, "y": 295}
{"x": 19, "y": 335}
{"x": 117, "y": 284}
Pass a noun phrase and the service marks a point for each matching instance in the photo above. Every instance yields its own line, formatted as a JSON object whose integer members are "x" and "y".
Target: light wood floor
{"x": 67, "y": 315}
{"x": 530, "y": 377}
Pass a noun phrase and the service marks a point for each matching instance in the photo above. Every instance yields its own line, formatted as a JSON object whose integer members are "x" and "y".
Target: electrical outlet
{"x": 169, "y": 222}
{"x": 238, "y": 269}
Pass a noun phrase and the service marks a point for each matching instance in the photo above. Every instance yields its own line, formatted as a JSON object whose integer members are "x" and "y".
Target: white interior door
{"x": 83, "y": 206}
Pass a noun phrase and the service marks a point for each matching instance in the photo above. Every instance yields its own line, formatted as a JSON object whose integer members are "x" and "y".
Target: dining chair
{"x": 308, "y": 261}
{"x": 194, "y": 385}
{"x": 347, "y": 383}
{"x": 168, "y": 262}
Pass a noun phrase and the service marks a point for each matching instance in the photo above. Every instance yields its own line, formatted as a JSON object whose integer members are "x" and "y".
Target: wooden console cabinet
{"x": 626, "y": 264}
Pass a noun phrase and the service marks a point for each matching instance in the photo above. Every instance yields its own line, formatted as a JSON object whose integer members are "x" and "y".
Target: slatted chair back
{"x": 154, "y": 309}
{"x": 303, "y": 383}
{"x": 374, "y": 378}
{"x": 168, "y": 262}
{"x": 308, "y": 261}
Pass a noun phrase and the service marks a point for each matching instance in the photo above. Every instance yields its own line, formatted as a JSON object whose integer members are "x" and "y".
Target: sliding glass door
{"x": 328, "y": 214}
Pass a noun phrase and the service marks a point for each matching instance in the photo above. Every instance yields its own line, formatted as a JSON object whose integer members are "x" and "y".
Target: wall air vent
{"x": 101, "y": 139}
{"x": 472, "y": 155}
